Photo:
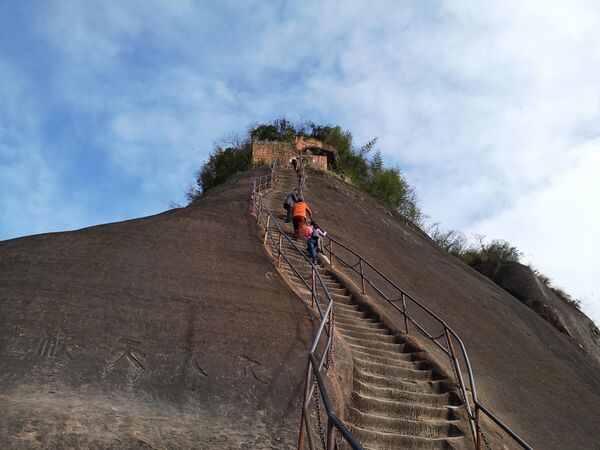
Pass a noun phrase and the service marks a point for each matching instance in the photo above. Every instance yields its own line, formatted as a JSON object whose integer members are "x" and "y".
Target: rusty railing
{"x": 454, "y": 347}
{"x": 320, "y": 353}
{"x": 474, "y": 408}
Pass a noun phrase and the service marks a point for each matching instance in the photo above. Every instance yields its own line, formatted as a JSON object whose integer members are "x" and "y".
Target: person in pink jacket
{"x": 314, "y": 240}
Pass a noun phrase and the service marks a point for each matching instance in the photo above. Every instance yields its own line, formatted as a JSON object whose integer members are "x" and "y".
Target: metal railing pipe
{"x": 473, "y": 419}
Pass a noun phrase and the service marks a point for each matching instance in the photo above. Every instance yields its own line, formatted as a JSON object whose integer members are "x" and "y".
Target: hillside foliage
{"x": 496, "y": 252}
{"x": 356, "y": 164}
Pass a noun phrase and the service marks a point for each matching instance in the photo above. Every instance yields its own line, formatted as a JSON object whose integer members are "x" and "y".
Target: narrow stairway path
{"x": 398, "y": 401}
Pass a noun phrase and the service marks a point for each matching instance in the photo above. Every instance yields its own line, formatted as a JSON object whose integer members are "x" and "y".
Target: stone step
{"x": 353, "y": 320}
{"x": 400, "y": 410}
{"x": 349, "y": 310}
{"x": 424, "y": 398}
{"x": 386, "y": 342}
{"x": 405, "y": 427}
{"x": 366, "y": 353}
{"x": 391, "y": 441}
{"x": 361, "y": 360}
{"x": 347, "y": 301}
{"x": 388, "y": 383}
{"x": 365, "y": 325}
{"x": 376, "y": 334}
{"x": 384, "y": 370}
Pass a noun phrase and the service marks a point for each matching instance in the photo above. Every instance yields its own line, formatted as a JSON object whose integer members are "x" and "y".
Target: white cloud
{"x": 556, "y": 226}
{"x": 31, "y": 200}
{"x": 487, "y": 106}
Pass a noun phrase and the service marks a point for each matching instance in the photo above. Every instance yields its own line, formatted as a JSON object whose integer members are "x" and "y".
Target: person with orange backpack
{"x": 300, "y": 213}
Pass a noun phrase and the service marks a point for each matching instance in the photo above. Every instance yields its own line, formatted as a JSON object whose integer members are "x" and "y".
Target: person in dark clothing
{"x": 288, "y": 204}
{"x": 295, "y": 164}
{"x": 311, "y": 246}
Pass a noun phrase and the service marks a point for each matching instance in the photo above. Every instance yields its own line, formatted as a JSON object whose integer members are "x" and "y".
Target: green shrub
{"x": 222, "y": 164}
{"x": 453, "y": 241}
{"x": 386, "y": 184}
{"x": 561, "y": 293}
{"x": 279, "y": 130}
{"x": 496, "y": 252}
{"x": 545, "y": 280}
{"x": 392, "y": 189}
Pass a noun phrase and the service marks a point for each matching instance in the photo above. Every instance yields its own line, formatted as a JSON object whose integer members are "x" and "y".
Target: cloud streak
{"x": 490, "y": 109}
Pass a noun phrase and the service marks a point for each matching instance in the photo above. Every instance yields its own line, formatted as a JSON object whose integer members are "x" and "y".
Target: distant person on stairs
{"x": 300, "y": 213}
{"x": 314, "y": 240}
{"x": 294, "y": 162}
{"x": 288, "y": 204}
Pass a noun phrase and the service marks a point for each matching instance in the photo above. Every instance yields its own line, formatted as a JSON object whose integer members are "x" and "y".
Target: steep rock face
{"x": 170, "y": 331}
{"x": 538, "y": 380}
{"x": 522, "y": 283}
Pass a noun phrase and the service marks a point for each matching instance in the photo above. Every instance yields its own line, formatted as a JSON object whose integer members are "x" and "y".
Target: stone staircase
{"x": 398, "y": 401}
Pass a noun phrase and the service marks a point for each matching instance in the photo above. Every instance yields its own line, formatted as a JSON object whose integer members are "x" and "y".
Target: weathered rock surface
{"x": 521, "y": 282}
{"x": 175, "y": 331}
{"x": 537, "y": 379}
{"x": 170, "y": 331}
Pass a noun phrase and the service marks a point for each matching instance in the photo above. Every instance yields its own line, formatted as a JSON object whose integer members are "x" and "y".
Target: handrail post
{"x": 330, "y": 348}
{"x": 267, "y": 230}
{"x": 461, "y": 386}
{"x": 279, "y": 253}
{"x": 362, "y": 275}
{"x": 330, "y": 435}
{"x": 404, "y": 312}
{"x": 313, "y": 292}
{"x": 305, "y": 402}
{"x": 478, "y": 428}
{"x": 331, "y": 252}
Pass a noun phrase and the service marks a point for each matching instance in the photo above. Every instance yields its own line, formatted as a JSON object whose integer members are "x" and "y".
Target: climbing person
{"x": 289, "y": 203}
{"x": 314, "y": 240}
{"x": 294, "y": 162}
{"x": 320, "y": 234}
{"x": 300, "y": 213}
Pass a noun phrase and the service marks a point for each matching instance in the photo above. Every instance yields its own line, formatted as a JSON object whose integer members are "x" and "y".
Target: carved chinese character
{"x": 191, "y": 361}
{"x": 251, "y": 367}
{"x": 129, "y": 352}
{"x": 51, "y": 347}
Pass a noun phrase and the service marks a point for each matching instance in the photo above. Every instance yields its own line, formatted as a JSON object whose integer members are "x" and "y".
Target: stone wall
{"x": 302, "y": 143}
{"x": 269, "y": 151}
{"x": 317, "y": 161}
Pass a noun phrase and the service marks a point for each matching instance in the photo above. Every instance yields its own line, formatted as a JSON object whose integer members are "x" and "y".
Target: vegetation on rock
{"x": 496, "y": 252}
{"x": 387, "y": 184}
{"x": 365, "y": 171}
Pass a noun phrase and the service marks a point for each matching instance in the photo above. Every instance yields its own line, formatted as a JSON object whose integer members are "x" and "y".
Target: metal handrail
{"x": 315, "y": 364}
{"x": 472, "y": 412}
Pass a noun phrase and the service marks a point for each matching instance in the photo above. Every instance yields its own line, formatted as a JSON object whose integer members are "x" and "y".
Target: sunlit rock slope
{"x": 171, "y": 331}
{"x": 537, "y": 379}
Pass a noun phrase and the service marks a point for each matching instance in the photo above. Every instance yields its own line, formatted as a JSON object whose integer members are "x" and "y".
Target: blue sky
{"x": 490, "y": 108}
